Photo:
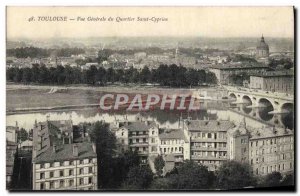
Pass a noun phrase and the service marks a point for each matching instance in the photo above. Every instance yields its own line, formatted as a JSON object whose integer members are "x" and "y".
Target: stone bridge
{"x": 272, "y": 107}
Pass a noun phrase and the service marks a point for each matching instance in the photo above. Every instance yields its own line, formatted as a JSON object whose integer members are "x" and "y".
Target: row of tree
{"x": 173, "y": 75}
{"x": 34, "y": 52}
{"x": 125, "y": 171}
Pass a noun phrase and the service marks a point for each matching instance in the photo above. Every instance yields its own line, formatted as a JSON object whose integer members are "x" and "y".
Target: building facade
{"x": 208, "y": 141}
{"x": 225, "y": 72}
{"x": 60, "y": 164}
{"x": 275, "y": 81}
{"x": 266, "y": 150}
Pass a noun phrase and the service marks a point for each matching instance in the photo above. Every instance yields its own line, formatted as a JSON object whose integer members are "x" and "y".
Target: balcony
{"x": 208, "y": 140}
{"x": 139, "y": 144}
{"x": 212, "y": 158}
{"x": 200, "y": 148}
{"x": 138, "y": 136}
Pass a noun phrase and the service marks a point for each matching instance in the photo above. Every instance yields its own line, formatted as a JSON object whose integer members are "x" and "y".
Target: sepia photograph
{"x": 148, "y": 99}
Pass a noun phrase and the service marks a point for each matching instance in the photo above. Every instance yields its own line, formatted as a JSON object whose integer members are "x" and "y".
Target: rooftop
{"x": 65, "y": 152}
{"x": 239, "y": 66}
{"x": 139, "y": 126}
{"x": 269, "y": 132}
{"x": 172, "y": 134}
{"x": 267, "y": 74}
{"x": 211, "y": 125}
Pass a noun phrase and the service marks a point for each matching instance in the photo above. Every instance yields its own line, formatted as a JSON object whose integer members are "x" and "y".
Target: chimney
{"x": 94, "y": 147}
{"x": 75, "y": 150}
{"x": 34, "y": 152}
{"x": 54, "y": 149}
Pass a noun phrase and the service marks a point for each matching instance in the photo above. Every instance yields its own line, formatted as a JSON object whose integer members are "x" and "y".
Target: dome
{"x": 262, "y": 44}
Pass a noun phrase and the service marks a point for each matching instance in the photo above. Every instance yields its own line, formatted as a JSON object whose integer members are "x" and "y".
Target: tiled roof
{"x": 139, "y": 126}
{"x": 269, "y": 132}
{"x": 267, "y": 74}
{"x": 65, "y": 152}
{"x": 211, "y": 125}
{"x": 172, "y": 134}
{"x": 47, "y": 134}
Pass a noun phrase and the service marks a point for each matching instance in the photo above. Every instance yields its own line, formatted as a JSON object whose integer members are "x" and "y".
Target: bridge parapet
{"x": 261, "y": 93}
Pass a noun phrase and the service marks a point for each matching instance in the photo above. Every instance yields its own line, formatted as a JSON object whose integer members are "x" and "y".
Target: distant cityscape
{"x": 243, "y": 137}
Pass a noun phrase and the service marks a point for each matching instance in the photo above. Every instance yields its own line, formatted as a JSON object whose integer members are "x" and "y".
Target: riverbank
{"x": 36, "y": 97}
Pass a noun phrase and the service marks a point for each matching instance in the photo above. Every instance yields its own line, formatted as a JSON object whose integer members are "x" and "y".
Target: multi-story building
{"x": 271, "y": 149}
{"x": 225, "y": 72}
{"x": 11, "y": 151}
{"x": 60, "y": 164}
{"x": 172, "y": 142}
{"x": 140, "y": 135}
{"x": 208, "y": 141}
{"x": 267, "y": 149}
{"x": 12, "y": 133}
{"x": 66, "y": 167}
{"x": 278, "y": 81}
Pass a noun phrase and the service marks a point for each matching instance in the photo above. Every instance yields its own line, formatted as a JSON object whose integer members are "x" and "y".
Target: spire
{"x": 262, "y": 38}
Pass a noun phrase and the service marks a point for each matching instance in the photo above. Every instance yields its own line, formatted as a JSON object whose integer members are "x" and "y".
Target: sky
{"x": 180, "y": 21}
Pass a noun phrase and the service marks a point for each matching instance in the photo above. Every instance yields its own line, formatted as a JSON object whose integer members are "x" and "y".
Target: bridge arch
{"x": 233, "y": 98}
{"x": 247, "y": 102}
{"x": 287, "y": 116}
{"x": 264, "y": 107}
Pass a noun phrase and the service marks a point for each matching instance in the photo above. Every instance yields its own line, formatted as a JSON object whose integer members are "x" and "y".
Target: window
{"x": 42, "y": 175}
{"x": 71, "y": 172}
{"x": 90, "y": 170}
{"x": 90, "y": 180}
{"x": 61, "y": 163}
{"x": 51, "y": 185}
{"x": 61, "y": 183}
{"x": 81, "y": 162}
{"x": 81, "y": 181}
{"x": 42, "y": 165}
{"x": 51, "y": 174}
{"x": 81, "y": 171}
{"x": 42, "y": 186}
{"x": 71, "y": 163}
{"x": 71, "y": 182}
{"x": 61, "y": 173}
{"x": 209, "y": 135}
{"x": 52, "y": 164}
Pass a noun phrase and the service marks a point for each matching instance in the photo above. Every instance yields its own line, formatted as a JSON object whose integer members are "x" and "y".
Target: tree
{"x": 22, "y": 135}
{"x": 145, "y": 75}
{"x": 160, "y": 184}
{"x": 122, "y": 165}
{"x": 191, "y": 175}
{"x": 138, "y": 177}
{"x": 159, "y": 164}
{"x": 288, "y": 180}
{"x": 105, "y": 147}
{"x": 211, "y": 78}
{"x": 234, "y": 175}
{"x": 272, "y": 179}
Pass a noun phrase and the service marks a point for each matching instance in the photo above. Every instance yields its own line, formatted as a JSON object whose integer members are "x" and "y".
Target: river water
{"x": 163, "y": 118}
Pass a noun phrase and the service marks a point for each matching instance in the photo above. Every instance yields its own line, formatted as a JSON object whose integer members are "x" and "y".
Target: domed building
{"x": 262, "y": 49}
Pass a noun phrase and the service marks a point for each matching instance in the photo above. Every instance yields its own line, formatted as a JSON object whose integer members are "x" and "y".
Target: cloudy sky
{"x": 181, "y": 21}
